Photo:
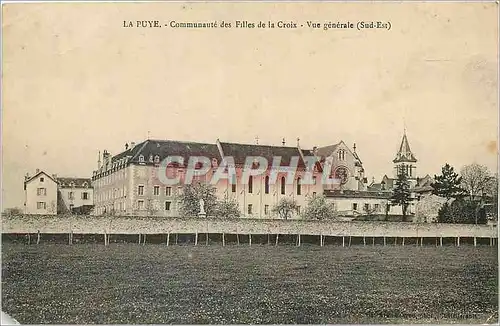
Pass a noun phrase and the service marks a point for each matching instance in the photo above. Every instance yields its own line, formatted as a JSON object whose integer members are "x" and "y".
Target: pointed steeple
{"x": 404, "y": 154}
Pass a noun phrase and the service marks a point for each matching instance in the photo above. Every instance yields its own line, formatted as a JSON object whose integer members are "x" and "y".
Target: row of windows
{"x": 156, "y": 191}
{"x": 367, "y": 207}
{"x": 71, "y": 195}
{"x": 266, "y": 209}
{"x": 266, "y": 185}
{"x": 84, "y": 195}
{"x": 141, "y": 205}
{"x": 109, "y": 179}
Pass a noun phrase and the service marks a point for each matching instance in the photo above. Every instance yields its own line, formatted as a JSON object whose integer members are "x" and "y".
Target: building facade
{"x": 128, "y": 184}
{"x": 76, "y": 195}
{"x": 49, "y": 195}
{"x": 40, "y": 194}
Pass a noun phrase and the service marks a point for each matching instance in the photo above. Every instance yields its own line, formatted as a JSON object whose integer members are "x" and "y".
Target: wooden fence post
{"x": 144, "y": 242}
{"x": 250, "y": 239}
{"x": 196, "y": 239}
{"x": 441, "y": 241}
{"x": 475, "y": 242}
{"x": 384, "y": 241}
{"x": 223, "y": 240}
{"x": 458, "y": 241}
{"x": 139, "y": 238}
{"x": 343, "y": 241}
{"x": 38, "y": 237}
{"x": 298, "y": 240}
{"x": 403, "y": 241}
{"x": 364, "y": 241}
{"x": 421, "y": 241}
{"x": 277, "y": 235}
{"x": 373, "y": 241}
{"x": 29, "y": 239}
{"x": 168, "y": 238}
{"x": 206, "y": 240}
{"x": 349, "y": 241}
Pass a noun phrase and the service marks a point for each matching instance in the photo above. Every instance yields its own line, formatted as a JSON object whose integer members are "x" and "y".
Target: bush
{"x": 462, "y": 211}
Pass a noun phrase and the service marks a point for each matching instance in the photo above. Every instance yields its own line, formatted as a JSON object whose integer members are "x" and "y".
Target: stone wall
{"x": 164, "y": 225}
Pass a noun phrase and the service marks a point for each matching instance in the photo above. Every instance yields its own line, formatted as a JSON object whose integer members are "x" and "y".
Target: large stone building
{"x": 128, "y": 184}
{"x": 49, "y": 195}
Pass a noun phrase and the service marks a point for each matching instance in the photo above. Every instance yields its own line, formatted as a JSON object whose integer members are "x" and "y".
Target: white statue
{"x": 202, "y": 207}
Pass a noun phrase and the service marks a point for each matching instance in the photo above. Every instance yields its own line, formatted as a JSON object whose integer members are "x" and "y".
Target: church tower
{"x": 405, "y": 161}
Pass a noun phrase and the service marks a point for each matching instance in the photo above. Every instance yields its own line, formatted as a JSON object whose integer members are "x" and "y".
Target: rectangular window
{"x": 298, "y": 209}
{"x": 41, "y": 205}
{"x": 71, "y": 207}
{"x": 249, "y": 208}
{"x": 168, "y": 191}
{"x": 71, "y": 195}
{"x": 266, "y": 209}
{"x": 250, "y": 184}
{"x": 354, "y": 206}
{"x": 377, "y": 207}
{"x": 367, "y": 207}
{"x": 167, "y": 205}
{"x": 156, "y": 190}
{"x": 140, "y": 204}
{"x": 42, "y": 179}
{"x": 85, "y": 195}
{"x": 233, "y": 184}
{"x": 314, "y": 180}
{"x": 41, "y": 191}
{"x": 140, "y": 191}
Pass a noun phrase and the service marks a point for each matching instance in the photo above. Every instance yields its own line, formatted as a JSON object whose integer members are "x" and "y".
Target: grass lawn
{"x": 131, "y": 283}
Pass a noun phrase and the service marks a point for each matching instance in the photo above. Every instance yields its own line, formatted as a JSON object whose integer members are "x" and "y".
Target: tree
{"x": 461, "y": 211}
{"x": 190, "y": 197}
{"x": 319, "y": 209}
{"x": 12, "y": 211}
{"x": 285, "y": 207}
{"x": 476, "y": 179}
{"x": 227, "y": 208}
{"x": 151, "y": 207}
{"x": 401, "y": 195}
{"x": 449, "y": 184}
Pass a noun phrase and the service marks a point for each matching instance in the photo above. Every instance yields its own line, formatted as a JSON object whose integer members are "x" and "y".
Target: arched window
{"x": 282, "y": 185}
{"x": 141, "y": 158}
{"x": 250, "y": 184}
{"x": 266, "y": 185}
{"x": 157, "y": 159}
{"x": 299, "y": 186}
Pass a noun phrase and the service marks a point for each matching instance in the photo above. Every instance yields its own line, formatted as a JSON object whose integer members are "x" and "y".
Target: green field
{"x": 130, "y": 283}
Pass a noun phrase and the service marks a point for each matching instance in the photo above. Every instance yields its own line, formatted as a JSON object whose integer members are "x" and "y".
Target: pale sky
{"x": 75, "y": 81}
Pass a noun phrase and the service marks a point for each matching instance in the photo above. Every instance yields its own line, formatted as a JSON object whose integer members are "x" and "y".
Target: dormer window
{"x": 157, "y": 159}
{"x": 141, "y": 158}
{"x": 72, "y": 184}
{"x": 214, "y": 162}
{"x": 85, "y": 185}
{"x": 151, "y": 158}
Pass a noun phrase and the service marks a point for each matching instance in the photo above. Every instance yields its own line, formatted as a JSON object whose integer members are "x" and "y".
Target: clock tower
{"x": 405, "y": 161}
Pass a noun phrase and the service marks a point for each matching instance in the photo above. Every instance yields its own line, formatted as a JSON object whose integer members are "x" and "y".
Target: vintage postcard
{"x": 250, "y": 162}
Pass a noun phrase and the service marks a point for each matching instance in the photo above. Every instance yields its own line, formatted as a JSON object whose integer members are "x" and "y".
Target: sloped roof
{"x": 164, "y": 148}
{"x": 404, "y": 154}
{"x": 37, "y": 175}
{"x": 69, "y": 182}
{"x": 327, "y": 150}
{"x": 240, "y": 152}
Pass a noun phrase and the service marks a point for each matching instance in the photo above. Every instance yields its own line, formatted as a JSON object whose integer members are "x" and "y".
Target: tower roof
{"x": 404, "y": 154}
